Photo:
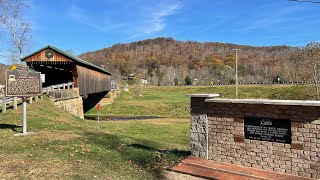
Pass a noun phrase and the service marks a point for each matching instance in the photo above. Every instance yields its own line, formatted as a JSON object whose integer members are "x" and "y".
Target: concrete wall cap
{"x": 203, "y": 95}
{"x": 265, "y": 101}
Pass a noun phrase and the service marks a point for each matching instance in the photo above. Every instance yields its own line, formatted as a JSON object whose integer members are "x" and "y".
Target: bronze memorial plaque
{"x": 266, "y": 129}
{"x": 23, "y": 82}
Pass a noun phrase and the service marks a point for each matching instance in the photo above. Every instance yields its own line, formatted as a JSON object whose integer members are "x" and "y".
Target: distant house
{"x": 130, "y": 76}
{"x": 144, "y": 81}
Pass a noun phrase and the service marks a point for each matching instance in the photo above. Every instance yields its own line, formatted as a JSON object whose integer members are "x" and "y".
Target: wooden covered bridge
{"x": 61, "y": 67}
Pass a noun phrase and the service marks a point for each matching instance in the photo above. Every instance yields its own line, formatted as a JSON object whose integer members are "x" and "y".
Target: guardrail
{"x": 69, "y": 85}
{"x": 257, "y": 83}
{"x": 6, "y": 102}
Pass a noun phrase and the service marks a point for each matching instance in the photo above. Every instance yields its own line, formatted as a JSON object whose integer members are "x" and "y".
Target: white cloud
{"x": 144, "y": 20}
{"x": 84, "y": 18}
{"x": 157, "y": 22}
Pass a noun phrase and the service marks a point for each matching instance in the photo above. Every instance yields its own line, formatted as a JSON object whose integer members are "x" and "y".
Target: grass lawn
{"x": 172, "y": 102}
{"x": 66, "y": 147}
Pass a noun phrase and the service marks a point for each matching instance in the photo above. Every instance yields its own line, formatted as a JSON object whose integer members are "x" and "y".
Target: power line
{"x": 306, "y": 1}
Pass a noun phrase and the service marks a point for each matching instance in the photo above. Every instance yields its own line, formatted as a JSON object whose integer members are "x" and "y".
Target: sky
{"x": 83, "y": 25}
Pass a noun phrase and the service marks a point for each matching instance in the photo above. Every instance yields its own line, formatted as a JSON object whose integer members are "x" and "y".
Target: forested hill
{"x": 164, "y": 61}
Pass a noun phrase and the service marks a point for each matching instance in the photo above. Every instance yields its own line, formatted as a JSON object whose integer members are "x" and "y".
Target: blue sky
{"x": 83, "y": 25}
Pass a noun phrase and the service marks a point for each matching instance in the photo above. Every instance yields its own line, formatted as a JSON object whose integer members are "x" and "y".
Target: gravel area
{"x": 170, "y": 175}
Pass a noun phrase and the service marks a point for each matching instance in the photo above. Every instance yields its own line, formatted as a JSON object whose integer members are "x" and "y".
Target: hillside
{"x": 165, "y": 61}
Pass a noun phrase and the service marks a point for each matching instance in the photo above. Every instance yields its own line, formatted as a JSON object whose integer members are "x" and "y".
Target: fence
{"x": 257, "y": 83}
{"x": 7, "y": 102}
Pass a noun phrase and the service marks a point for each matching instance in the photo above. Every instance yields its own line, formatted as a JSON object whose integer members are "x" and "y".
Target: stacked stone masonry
{"x": 68, "y": 100}
{"x": 199, "y": 135}
{"x": 226, "y": 142}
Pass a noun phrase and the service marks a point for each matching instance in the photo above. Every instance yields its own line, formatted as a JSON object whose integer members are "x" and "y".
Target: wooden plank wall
{"x": 91, "y": 81}
{"x": 41, "y": 57}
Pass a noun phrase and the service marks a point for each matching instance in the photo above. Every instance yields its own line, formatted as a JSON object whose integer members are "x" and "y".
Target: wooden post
{"x": 30, "y": 100}
{"x": 4, "y": 105}
{"x": 15, "y": 103}
{"x": 64, "y": 86}
{"x": 36, "y": 98}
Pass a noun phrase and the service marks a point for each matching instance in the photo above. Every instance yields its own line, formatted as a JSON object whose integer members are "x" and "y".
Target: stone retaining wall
{"x": 68, "y": 100}
{"x": 227, "y": 143}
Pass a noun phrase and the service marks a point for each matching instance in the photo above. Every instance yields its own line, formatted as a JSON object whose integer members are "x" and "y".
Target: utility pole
{"x": 237, "y": 82}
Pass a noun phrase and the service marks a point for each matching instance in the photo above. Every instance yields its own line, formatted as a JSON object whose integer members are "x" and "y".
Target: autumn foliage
{"x": 164, "y": 60}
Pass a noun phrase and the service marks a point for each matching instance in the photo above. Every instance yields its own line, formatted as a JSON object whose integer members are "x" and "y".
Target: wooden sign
{"x": 23, "y": 82}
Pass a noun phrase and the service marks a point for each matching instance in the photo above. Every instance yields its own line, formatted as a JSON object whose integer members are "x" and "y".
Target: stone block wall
{"x": 68, "y": 100}
{"x": 199, "y": 133}
{"x": 226, "y": 141}
{"x": 72, "y": 106}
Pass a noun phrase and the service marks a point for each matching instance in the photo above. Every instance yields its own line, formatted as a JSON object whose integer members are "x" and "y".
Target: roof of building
{"x": 72, "y": 57}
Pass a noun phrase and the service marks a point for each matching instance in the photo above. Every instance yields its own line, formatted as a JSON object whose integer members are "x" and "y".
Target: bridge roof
{"x": 73, "y": 58}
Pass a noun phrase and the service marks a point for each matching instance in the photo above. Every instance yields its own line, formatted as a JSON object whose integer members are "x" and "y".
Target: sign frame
{"x": 27, "y": 74}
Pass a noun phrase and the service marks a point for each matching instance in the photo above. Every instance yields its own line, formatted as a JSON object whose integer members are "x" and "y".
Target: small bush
{"x": 188, "y": 80}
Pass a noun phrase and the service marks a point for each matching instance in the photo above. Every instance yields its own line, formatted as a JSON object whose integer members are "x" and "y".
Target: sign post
{"x": 23, "y": 82}
{"x": 24, "y": 109}
{"x": 98, "y": 108}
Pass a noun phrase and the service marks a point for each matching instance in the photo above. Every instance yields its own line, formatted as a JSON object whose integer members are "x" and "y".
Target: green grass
{"x": 66, "y": 147}
{"x": 172, "y": 102}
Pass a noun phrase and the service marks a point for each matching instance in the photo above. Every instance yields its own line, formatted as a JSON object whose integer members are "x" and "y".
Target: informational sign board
{"x": 23, "y": 82}
{"x": 266, "y": 129}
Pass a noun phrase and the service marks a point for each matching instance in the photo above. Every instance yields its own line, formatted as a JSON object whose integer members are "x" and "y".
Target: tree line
{"x": 165, "y": 61}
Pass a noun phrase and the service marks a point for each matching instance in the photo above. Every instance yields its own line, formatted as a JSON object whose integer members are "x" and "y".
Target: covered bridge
{"x": 61, "y": 67}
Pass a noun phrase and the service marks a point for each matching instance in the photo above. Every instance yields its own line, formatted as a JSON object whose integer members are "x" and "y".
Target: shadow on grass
{"x": 142, "y": 154}
{"x": 173, "y": 151}
{"x": 10, "y": 126}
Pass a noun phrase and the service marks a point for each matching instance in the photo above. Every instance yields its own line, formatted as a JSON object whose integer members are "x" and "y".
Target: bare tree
{"x": 310, "y": 63}
{"x": 13, "y": 22}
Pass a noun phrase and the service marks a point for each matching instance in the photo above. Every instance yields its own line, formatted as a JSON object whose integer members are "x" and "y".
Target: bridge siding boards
{"x": 41, "y": 57}
{"x": 90, "y": 81}
{"x": 88, "y": 77}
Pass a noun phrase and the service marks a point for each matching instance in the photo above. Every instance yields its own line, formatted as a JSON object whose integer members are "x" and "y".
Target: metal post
{"x": 15, "y": 103}
{"x": 24, "y": 109}
{"x": 237, "y": 83}
{"x": 317, "y": 81}
{"x": 98, "y": 121}
{"x": 4, "y": 105}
